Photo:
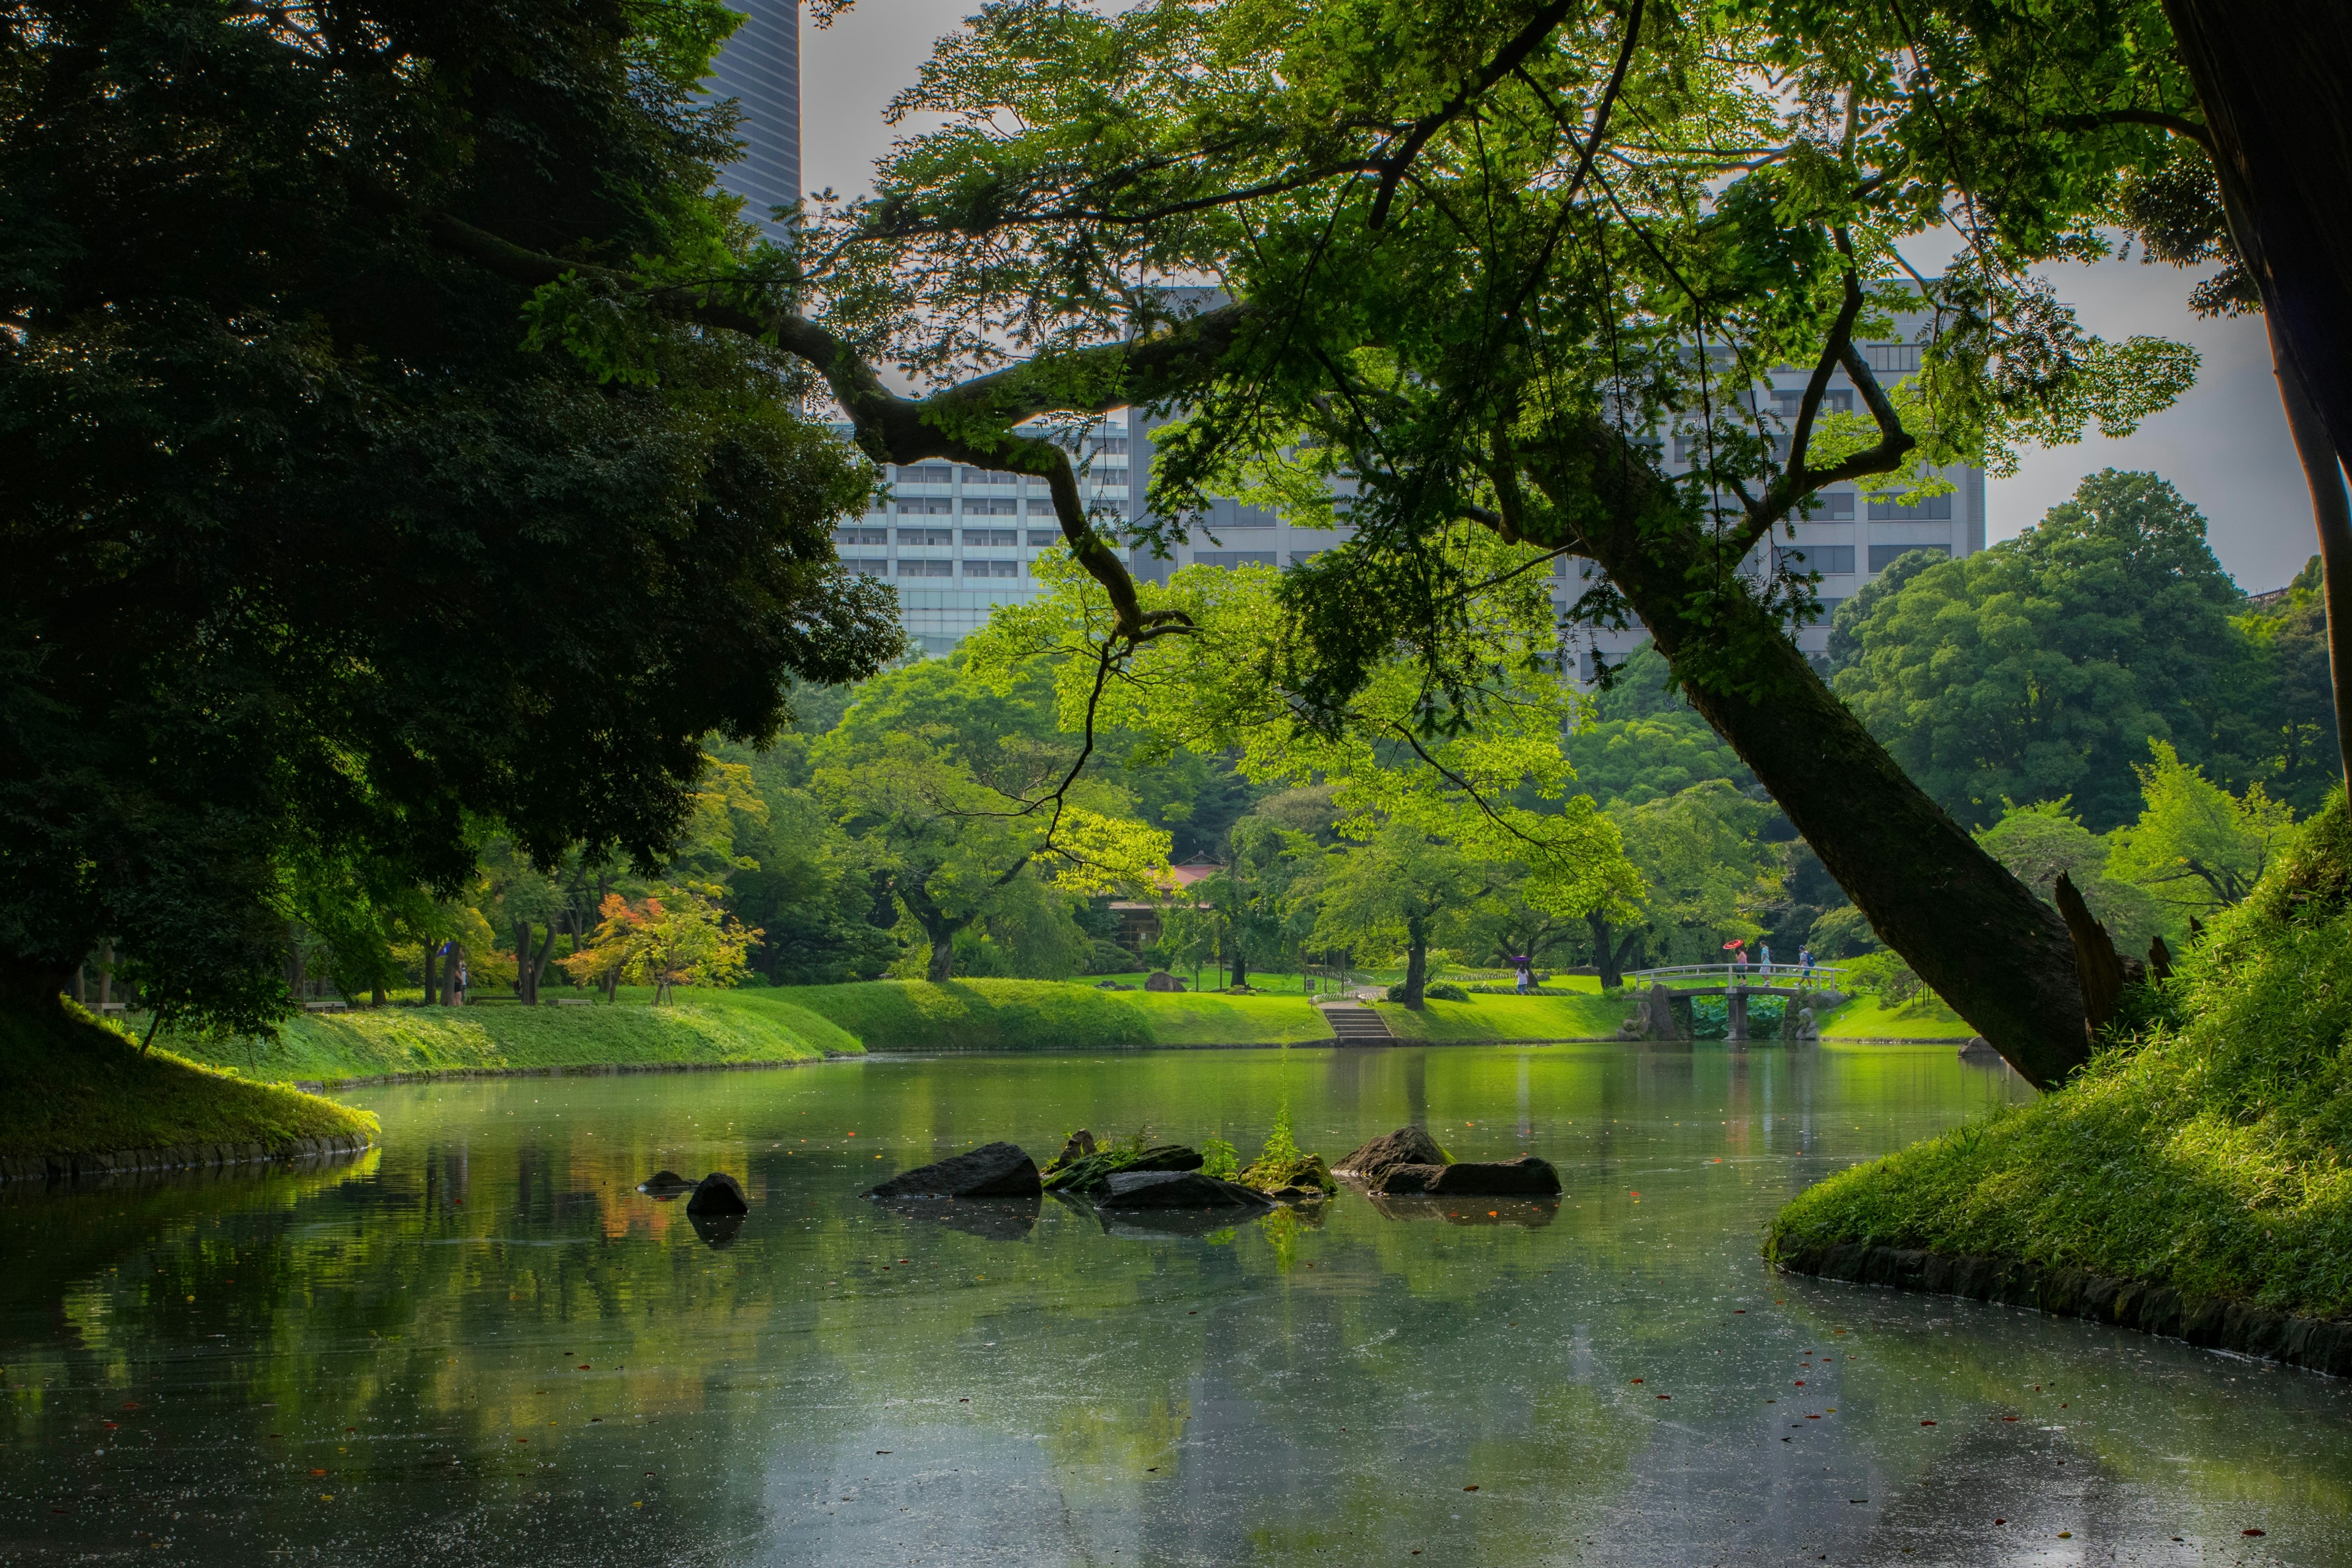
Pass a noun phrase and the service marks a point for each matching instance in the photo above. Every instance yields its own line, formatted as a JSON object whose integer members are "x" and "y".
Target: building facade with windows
{"x": 760, "y": 69}
{"x": 956, "y": 541}
{"x": 1847, "y": 536}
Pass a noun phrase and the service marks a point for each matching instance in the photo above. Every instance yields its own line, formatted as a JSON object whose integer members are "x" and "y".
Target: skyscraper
{"x": 760, "y": 67}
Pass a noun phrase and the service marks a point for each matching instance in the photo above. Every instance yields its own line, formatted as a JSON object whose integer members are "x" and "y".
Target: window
{"x": 1041, "y": 508}
{"x": 991, "y": 536}
{"x": 1896, "y": 357}
{"x": 993, "y": 506}
{"x": 865, "y": 566}
{"x": 1818, "y": 557}
{"x": 1930, "y": 509}
{"x": 1830, "y": 506}
{"x": 927, "y": 474}
{"x": 1233, "y": 558}
{"x": 1039, "y": 538}
{"x": 923, "y": 506}
{"x": 926, "y": 568}
{"x": 991, "y": 569}
{"x": 1111, "y": 444}
{"x": 1881, "y": 556}
{"x": 927, "y": 536}
{"x": 1787, "y": 405}
{"x": 1226, "y": 512}
{"x": 1829, "y": 610}
{"x": 989, "y": 477}
{"x": 861, "y": 536}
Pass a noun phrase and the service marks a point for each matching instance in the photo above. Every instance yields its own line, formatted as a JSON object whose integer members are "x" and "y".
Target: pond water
{"x": 479, "y": 1345}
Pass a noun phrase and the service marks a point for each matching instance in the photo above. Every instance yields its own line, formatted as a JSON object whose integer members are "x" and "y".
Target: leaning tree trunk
{"x": 2331, "y": 514}
{"x": 1976, "y": 934}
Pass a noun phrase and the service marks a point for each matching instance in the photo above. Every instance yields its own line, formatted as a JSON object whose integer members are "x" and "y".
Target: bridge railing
{"x": 1757, "y": 975}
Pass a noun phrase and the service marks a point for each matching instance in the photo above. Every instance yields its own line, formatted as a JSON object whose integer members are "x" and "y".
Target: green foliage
{"x": 1040, "y": 1015}
{"x": 1582, "y": 1015}
{"x": 1843, "y": 935}
{"x": 314, "y": 564}
{"x": 69, "y": 1084}
{"x": 2195, "y": 846}
{"x": 1219, "y": 1159}
{"x": 1281, "y": 1143}
{"x": 2207, "y": 1154}
{"x": 2041, "y": 843}
{"x": 1707, "y": 871}
{"x": 2042, "y": 667}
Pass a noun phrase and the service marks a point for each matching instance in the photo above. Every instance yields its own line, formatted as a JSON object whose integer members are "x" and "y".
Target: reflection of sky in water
{"x": 486, "y": 1339}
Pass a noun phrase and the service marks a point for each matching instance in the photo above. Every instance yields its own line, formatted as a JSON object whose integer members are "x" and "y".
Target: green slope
{"x": 76, "y": 1085}
{"x": 1052, "y": 1015}
{"x": 1579, "y": 1016}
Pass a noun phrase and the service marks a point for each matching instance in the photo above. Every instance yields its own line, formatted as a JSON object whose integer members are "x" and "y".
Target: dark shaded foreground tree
{"x": 1484, "y": 259}
{"x": 312, "y": 554}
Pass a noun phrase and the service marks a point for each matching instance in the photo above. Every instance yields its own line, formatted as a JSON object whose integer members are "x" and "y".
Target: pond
{"x": 479, "y": 1345}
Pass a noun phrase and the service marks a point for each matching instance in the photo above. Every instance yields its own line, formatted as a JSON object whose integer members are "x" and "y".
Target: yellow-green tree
{"x": 2197, "y": 846}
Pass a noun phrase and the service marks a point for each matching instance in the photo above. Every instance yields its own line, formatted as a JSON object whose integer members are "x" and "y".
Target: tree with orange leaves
{"x": 674, "y": 936}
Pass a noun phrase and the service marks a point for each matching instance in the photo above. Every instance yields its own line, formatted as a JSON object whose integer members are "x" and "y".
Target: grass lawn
{"x": 1864, "y": 1018}
{"x": 702, "y": 1028}
{"x": 1583, "y": 1015}
{"x": 76, "y": 1085}
{"x": 2204, "y": 1150}
{"x": 1054, "y": 1015}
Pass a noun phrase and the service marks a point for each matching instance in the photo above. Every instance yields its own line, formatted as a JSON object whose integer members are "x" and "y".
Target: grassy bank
{"x": 1575, "y": 1016}
{"x": 2207, "y": 1154}
{"x": 1864, "y": 1018}
{"x": 76, "y": 1085}
{"x": 702, "y": 1028}
{"x": 1052, "y": 1015}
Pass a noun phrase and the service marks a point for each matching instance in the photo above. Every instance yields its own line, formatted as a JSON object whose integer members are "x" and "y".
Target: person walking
{"x": 1764, "y": 951}
{"x": 1805, "y": 964}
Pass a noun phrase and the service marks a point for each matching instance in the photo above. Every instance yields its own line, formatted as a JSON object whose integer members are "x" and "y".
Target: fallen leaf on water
{"x": 318, "y": 1472}
{"x": 1470, "y": 1488}
{"x": 1927, "y": 1423}
{"x": 2250, "y": 1533}
{"x": 2066, "y": 1535}
{"x": 130, "y": 1404}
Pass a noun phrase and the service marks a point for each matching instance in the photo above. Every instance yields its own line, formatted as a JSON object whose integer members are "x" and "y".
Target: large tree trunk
{"x": 538, "y": 966}
{"x": 432, "y": 959}
{"x": 2274, "y": 79}
{"x": 1241, "y": 963}
{"x": 941, "y": 930}
{"x": 1997, "y": 954}
{"x": 2333, "y": 515}
{"x": 1608, "y": 957}
{"x": 1417, "y": 961}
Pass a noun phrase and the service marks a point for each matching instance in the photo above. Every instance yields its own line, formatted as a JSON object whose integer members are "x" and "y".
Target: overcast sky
{"x": 2224, "y": 445}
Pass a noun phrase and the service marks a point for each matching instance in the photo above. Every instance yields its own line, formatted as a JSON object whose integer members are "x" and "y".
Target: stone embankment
{"x": 89, "y": 1166}
{"x": 2213, "y": 1322}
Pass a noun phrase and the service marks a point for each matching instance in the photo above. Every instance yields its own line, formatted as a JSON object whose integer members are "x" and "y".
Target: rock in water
{"x": 1522, "y": 1175}
{"x": 1176, "y": 1189}
{"x": 1087, "y": 1174}
{"x": 717, "y": 1193}
{"x": 1080, "y": 1146}
{"x": 991, "y": 1170}
{"x": 665, "y": 1185}
{"x": 1405, "y": 1146}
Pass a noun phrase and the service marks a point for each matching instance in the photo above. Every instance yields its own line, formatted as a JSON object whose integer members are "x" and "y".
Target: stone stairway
{"x": 1356, "y": 1025}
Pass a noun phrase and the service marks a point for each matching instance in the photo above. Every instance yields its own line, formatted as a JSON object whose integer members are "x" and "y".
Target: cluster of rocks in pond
{"x": 715, "y": 1204}
{"x": 1408, "y": 1163}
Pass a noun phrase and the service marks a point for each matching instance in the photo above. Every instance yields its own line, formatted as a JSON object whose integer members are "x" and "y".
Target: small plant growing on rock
{"x": 1219, "y": 1159}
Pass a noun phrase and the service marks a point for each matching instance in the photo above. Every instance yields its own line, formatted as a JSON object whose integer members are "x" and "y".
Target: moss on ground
{"x": 1576, "y": 1015}
{"x": 2207, "y": 1153}
{"x": 72, "y": 1085}
{"x": 701, "y": 1028}
{"x": 1053, "y": 1015}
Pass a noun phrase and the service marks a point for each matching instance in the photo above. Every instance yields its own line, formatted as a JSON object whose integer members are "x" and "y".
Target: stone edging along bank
{"x": 2213, "y": 1322}
{"x": 182, "y": 1157}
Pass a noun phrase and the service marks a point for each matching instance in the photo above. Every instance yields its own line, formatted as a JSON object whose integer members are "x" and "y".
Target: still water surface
{"x": 480, "y": 1346}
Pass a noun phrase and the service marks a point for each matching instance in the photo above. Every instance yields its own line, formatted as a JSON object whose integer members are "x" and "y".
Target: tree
{"x": 323, "y": 539}
{"x": 1399, "y": 894}
{"x": 2040, "y": 668}
{"x": 2195, "y": 845}
{"x": 2044, "y": 842}
{"x": 1705, "y": 869}
{"x": 1646, "y": 743}
{"x": 952, "y": 790}
{"x": 674, "y": 936}
{"x": 1441, "y": 288}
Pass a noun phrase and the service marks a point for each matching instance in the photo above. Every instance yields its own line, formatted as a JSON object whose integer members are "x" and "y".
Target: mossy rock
{"x": 1091, "y": 1174}
{"x": 1305, "y": 1176}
